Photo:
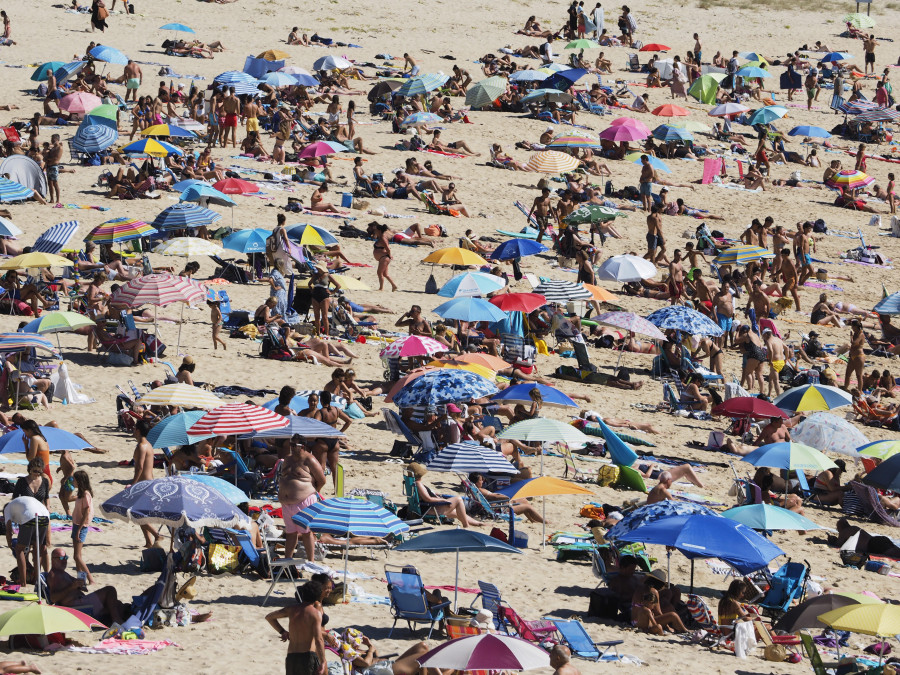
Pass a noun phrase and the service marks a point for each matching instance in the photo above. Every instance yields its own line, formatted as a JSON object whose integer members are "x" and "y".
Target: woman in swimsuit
{"x": 381, "y": 251}
{"x": 823, "y": 314}
{"x": 713, "y": 351}
{"x": 754, "y": 357}
{"x": 320, "y": 284}
{"x": 449, "y": 507}
{"x": 730, "y": 608}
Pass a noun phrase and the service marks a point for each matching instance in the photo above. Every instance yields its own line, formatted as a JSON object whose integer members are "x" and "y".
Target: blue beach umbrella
{"x": 183, "y": 185}
{"x": 277, "y": 79}
{"x": 471, "y": 284}
{"x": 305, "y": 80}
{"x": 421, "y": 84}
{"x": 620, "y": 452}
{"x": 421, "y": 118}
{"x": 789, "y": 455}
{"x": 177, "y": 26}
{"x": 66, "y": 71}
{"x": 446, "y": 385}
{"x": 831, "y": 57}
{"x": 685, "y": 319}
{"x": 653, "y": 512}
{"x": 521, "y": 393}
{"x": 184, "y": 215}
{"x": 667, "y": 133}
{"x": 528, "y": 76}
{"x": 750, "y": 56}
{"x": 109, "y": 55}
{"x": 169, "y": 130}
{"x": 172, "y": 431}
{"x": 564, "y": 79}
{"x": 8, "y": 228}
{"x": 57, "y": 439}
{"x": 471, "y": 457}
{"x": 301, "y": 402}
{"x": 247, "y": 241}
{"x": 99, "y": 120}
{"x": 301, "y": 426}
{"x": 768, "y": 517}
{"x": 42, "y": 72}
{"x": 295, "y": 233}
{"x": 20, "y": 342}
{"x": 768, "y": 114}
{"x": 228, "y": 490}
{"x": 753, "y": 71}
{"x": 11, "y": 191}
{"x": 94, "y": 138}
{"x": 655, "y": 162}
{"x": 889, "y": 305}
{"x": 517, "y": 248}
{"x": 470, "y": 309}
{"x": 199, "y": 191}
{"x": 886, "y": 475}
{"x": 808, "y": 130}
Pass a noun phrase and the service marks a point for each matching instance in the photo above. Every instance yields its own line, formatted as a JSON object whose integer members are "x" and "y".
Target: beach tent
{"x": 25, "y": 171}
{"x": 258, "y": 68}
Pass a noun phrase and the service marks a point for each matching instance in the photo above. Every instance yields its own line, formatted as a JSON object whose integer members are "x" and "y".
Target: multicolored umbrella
{"x": 169, "y": 130}
{"x": 857, "y": 107}
{"x": 159, "y": 290}
{"x": 813, "y": 397}
{"x": 631, "y": 322}
{"x": 519, "y": 302}
{"x": 789, "y": 455}
{"x": 826, "y": 431}
{"x": 669, "y": 110}
{"x": 11, "y": 191}
{"x": 20, "y": 342}
{"x": 469, "y": 309}
{"x": 439, "y": 387}
{"x": 670, "y": 134}
{"x": 592, "y": 213}
{"x": 236, "y": 418}
{"x": 553, "y": 162}
{"x": 486, "y": 91}
{"x": 120, "y": 229}
{"x": 188, "y": 246}
{"x": 79, "y": 103}
{"x": 471, "y": 284}
{"x": 412, "y": 345}
{"x": 684, "y": 319}
{"x": 879, "y": 449}
{"x": 878, "y": 115}
{"x": 567, "y": 142}
{"x": 41, "y": 619}
{"x": 183, "y": 216}
{"x": 742, "y": 254}
{"x": 562, "y": 292}
{"x": 421, "y": 84}
{"x": 152, "y": 148}
{"x": 307, "y": 234}
{"x": 626, "y": 268}
{"x": 470, "y": 456}
{"x": 486, "y": 652}
{"x": 454, "y": 256}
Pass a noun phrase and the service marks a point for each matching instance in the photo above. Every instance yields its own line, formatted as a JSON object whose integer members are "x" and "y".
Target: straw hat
{"x": 321, "y": 268}
{"x": 187, "y": 361}
{"x": 186, "y": 592}
{"x": 659, "y": 575}
{"x": 417, "y": 470}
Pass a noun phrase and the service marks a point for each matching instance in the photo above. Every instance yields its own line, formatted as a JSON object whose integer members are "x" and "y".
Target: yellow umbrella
{"x": 273, "y": 55}
{"x": 347, "y": 283}
{"x": 35, "y": 259}
{"x": 880, "y": 619}
{"x": 545, "y": 486}
{"x": 183, "y": 395}
{"x": 486, "y": 373}
{"x": 600, "y": 294}
{"x": 552, "y": 161}
{"x": 454, "y": 256}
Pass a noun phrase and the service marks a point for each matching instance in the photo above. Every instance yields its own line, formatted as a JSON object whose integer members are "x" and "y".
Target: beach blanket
{"x": 80, "y": 206}
{"x": 236, "y": 390}
{"x": 343, "y": 215}
{"x": 734, "y": 186}
{"x": 370, "y": 599}
{"x": 68, "y": 528}
{"x": 124, "y": 647}
{"x": 696, "y": 499}
{"x": 828, "y": 287}
{"x": 711, "y": 169}
{"x": 445, "y": 154}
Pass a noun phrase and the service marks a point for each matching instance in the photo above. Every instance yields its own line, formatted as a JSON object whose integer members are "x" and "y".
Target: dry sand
{"x": 238, "y": 640}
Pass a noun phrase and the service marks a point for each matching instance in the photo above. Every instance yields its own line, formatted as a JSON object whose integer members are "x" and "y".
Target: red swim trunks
{"x": 231, "y": 120}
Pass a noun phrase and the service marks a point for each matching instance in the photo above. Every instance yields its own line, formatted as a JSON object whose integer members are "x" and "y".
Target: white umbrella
{"x": 625, "y": 268}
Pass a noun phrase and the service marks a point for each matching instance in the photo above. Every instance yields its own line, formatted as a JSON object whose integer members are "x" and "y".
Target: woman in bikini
{"x": 754, "y": 352}
{"x": 381, "y": 251}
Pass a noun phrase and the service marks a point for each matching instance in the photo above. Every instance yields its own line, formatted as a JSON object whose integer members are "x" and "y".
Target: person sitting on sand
{"x": 660, "y": 491}
{"x": 68, "y": 591}
{"x": 646, "y": 613}
{"x": 776, "y": 431}
{"x": 294, "y": 37}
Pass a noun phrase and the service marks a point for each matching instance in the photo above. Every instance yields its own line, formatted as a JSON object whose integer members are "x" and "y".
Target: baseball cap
{"x": 452, "y": 407}
{"x": 813, "y": 333}
{"x": 766, "y": 330}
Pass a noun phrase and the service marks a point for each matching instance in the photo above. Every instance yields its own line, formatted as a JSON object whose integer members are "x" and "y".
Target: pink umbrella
{"x": 631, "y": 322}
{"x": 414, "y": 345}
{"x": 486, "y": 652}
{"x": 630, "y": 122}
{"x": 624, "y": 132}
{"x": 79, "y": 103}
{"x": 320, "y": 148}
{"x": 237, "y": 418}
{"x": 236, "y": 186}
{"x": 159, "y": 290}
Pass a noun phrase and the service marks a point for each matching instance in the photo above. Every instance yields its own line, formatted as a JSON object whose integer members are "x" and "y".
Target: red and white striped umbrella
{"x": 237, "y": 418}
{"x": 159, "y": 290}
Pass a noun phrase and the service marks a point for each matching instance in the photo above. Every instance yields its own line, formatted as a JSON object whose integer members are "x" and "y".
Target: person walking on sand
{"x": 67, "y": 483}
{"x": 99, "y": 14}
{"x": 542, "y": 211}
{"x": 381, "y": 251}
{"x": 655, "y": 239}
{"x": 143, "y": 470}
{"x": 869, "y": 46}
{"x": 306, "y": 641}
{"x": 301, "y": 478}
{"x": 215, "y": 316}
{"x": 82, "y": 516}
{"x": 647, "y": 179}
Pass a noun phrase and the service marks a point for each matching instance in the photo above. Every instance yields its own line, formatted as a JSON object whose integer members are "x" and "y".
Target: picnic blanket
{"x": 818, "y": 284}
{"x": 124, "y": 647}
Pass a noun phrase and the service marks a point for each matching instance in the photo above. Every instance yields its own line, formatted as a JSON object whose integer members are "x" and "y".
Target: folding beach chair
{"x": 871, "y": 504}
{"x": 791, "y": 642}
{"x": 490, "y": 600}
{"x": 582, "y": 645}
{"x": 282, "y": 569}
{"x": 429, "y": 515}
{"x": 408, "y": 600}
{"x": 587, "y": 476}
{"x": 716, "y": 635}
{"x": 787, "y": 585}
{"x": 480, "y": 505}
{"x": 815, "y": 659}
{"x": 533, "y": 631}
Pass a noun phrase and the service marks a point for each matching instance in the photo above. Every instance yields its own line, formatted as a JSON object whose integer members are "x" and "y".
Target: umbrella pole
{"x": 456, "y": 583}
{"x": 692, "y": 576}
{"x": 669, "y": 564}
{"x": 180, "y": 324}
{"x": 156, "y": 339}
{"x": 346, "y": 555}
{"x": 543, "y": 522}
{"x": 37, "y": 557}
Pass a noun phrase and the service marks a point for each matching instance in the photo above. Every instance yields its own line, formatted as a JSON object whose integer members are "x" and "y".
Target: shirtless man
{"x": 68, "y": 591}
{"x": 805, "y": 258}
{"x": 306, "y": 643}
{"x": 676, "y": 278}
{"x": 775, "y": 349}
{"x": 869, "y": 46}
{"x": 143, "y": 470}
{"x": 53, "y": 162}
{"x": 414, "y": 323}
{"x": 655, "y": 239}
{"x": 789, "y": 277}
{"x": 250, "y": 114}
{"x": 461, "y": 78}
{"x": 330, "y": 447}
{"x": 456, "y": 147}
{"x": 542, "y": 210}
{"x": 779, "y": 241}
{"x": 661, "y": 492}
{"x": 774, "y": 432}
{"x": 704, "y": 291}
{"x": 758, "y": 306}
{"x": 856, "y": 358}
{"x": 410, "y": 64}
{"x": 647, "y": 179}
{"x": 133, "y": 79}
{"x": 231, "y": 106}
{"x": 723, "y": 313}
{"x": 301, "y": 478}
{"x": 561, "y": 661}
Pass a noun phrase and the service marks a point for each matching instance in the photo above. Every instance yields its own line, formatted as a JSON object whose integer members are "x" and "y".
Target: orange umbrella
{"x": 487, "y": 373}
{"x": 669, "y": 110}
{"x": 600, "y": 294}
{"x": 495, "y": 363}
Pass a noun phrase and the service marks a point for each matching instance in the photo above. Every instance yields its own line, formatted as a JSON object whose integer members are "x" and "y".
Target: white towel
{"x": 744, "y": 639}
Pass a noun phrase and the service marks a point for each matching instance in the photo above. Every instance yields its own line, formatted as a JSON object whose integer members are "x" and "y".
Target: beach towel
{"x": 696, "y": 499}
{"x": 827, "y": 287}
{"x": 80, "y": 206}
{"x": 340, "y": 215}
{"x": 124, "y": 647}
{"x": 711, "y": 168}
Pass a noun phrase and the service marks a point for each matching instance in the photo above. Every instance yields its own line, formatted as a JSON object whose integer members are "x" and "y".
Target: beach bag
{"x": 222, "y": 558}
{"x": 591, "y": 511}
{"x": 102, "y": 13}
{"x": 608, "y": 475}
{"x": 875, "y": 220}
{"x": 118, "y": 359}
{"x": 431, "y": 286}
{"x": 153, "y": 559}
{"x": 819, "y": 227}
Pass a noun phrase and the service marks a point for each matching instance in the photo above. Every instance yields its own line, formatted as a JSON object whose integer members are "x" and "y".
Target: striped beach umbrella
{"x": 172, "y": 430}
{"x": 92, "y": 138}
{"x": 857, "y": 20}
{"x": 236, "y": 418}
{"x": 565, "y": 142}
{"x": 878, "y": 115}
{"x": 890, "y": 304}
{"x": 412, "y": 345}
{"x": 188, "y": 246}
{"x": 152, "y": 148}
{"x": 422, "y": 84}
{"x": 108, "y": 55}
{"x": 631, "y": 322}
{"x": 552, "y": 161}
{"x": 742, "y": 254}
{"x": 247, "y": 241}
{"x": 545, "y": 430}
{"x": 684, "y": 319}
{"x": 159, "y": 290}
{"x": 180, "y": 394}
{"x": 342, "y": 517}
{"x": 20, "y": 342}
{"x": 169, "y": 130}
{"x": 11, "y": 191}
{"x": 850, "y": 179}
{"x": 306, "y": 234}
{"x": 35, "y": 259}
{"x": 668, "y": 133}
{"x": 55, "y": 238}
{"x": 234, "y": 77}
{"x": 184, "y": 215}
{"x": 486, "y": 91}
{"x": 66, "y": 71}
{"x": 813, "y": 397}
{"x": 79, "y": 103}
{"x": 562, "y": 292}
{"x": 857, "y": 107}
{"x": 471, "y": 457}
{"x": 789, "y": 455}
{"x": 120, "y": 229}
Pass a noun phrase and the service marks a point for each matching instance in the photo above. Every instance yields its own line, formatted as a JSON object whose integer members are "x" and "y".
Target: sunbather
{"x": 521, "y": 507}
{"x": 451, "y": 507}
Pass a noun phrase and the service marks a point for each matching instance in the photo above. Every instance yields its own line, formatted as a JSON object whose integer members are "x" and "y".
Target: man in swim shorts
{"x": 251, "y": 115}
{"x": 306, "y": 643}
{"x": 133, "y": 78}
{"x": 777, "y": 359}
{"x": 232, "y": 106}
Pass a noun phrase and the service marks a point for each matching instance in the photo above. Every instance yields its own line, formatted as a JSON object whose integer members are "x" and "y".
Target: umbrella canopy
{"x": 726, "y": 109}
{"x": 753, "y": 72}
{"x": 439, "y": 387}
{"x": 517, "y": 248}
{"x": 236, "y": 186}
{"x": 486, "y": 373}
{"x": 544, "y": 430}
{"x": 9, "y": 229}
{"x": 582, "y": 44}
{"x": 684, "y": 319}
{"x": 624, "y": 133}
{"x": 878, "y": 115}
{"x": 879, "y": 449}
{"x": 470, "y": 284}
{"x": 169, "y": 130}
{"x": 652, "y": 512}
{"x": 566, "y": 142}
{"x": 630, "y": 122}
{"x": 300, "y": 426}
{"x": 342, "y": 517}
{"x": 311, "y": 235}
{"x": 543, "y": 486}
{"x": 654, "y": 47}
{"x": 174, "y": 501}
{"x": 54, "y": 239}
{"x": 172, "y": 431}
{"x": 273, "y": 55}
{"x": 626, "y": 268}
{"x": 529, "y": 76}
{"x": 486, "y": 652}
{"x": 201, "y": 191}
{"x": 742, "y": 254}
{"x": 57, "y": 322}
{"x": 57, "y": 440}
{"x": 23, "y": 509}
{"x": 518, "y": 302}
{"x": 808, "y": 130}
{"x": 230, "y": 491}
{"x": 481, "y": 359}
{"x": 655, "y": 162}
{"x": 152, "y": 148}
{"x": 93, "y": 138}
{"x": 669, "y": 110}
{"x": 331, "y": 62}
{"x": 741, "y": 407}
{"x": 247, "y": 241}
{"x": 35, "y": 259}
{"x": 412, "y": 345}
{"x": 592, "y": 213}
{"x": 236, "y": 418}
{"x": 11, "y": 191}
{"x": 66, "y": 71}
{"x": 825, "y": 431}
{"x": 421, "y": 118}
{"x": 486, "y": 91}
{"x": 631, "y": 322}
{"x": 768, "y": 517}
{"x": 383, "y": 87}
{"x": 885, "y": 476}
{"x": 177, "y": 26}
{"x": 470, "y": 309}
{"x": 41, "y": 619}
{"x": 558, "y": 291}
{"x": 181, "y": 394}
{"x": 704, "y": 89}
{"x": 599, "y": 294}
{"x": 120, "y": 229}
{"x": 109, "y": 55}
{"x": 521, "y": 393}
{"x": 805, "y": 616}
{"x": 42, "y": 72}
{"x": 850, "y": 179}
{"x": 188, "y": 246}
{"x": 183, "y": 215}
{"x": 768, "y": 114}
{"x": 454, "y": 256}
{"x": 813, "y": 397}
{"x": 857, "y": 20}
{"x": 321, "y": 149}
{"x": 702, "y": 536}
{"x": 668, "y": 133}
{"x": 552, "y": 161}
{"x": 422, "y": 84}
{"x": 565, "y": 78}
{"x": 889, "y": 305}
{"x": 547, "y": 93}
{"x": 159, "y": 290}
{"x": 79, "y": 103}
{"x": 20, "y": 342}
{"x": 470, "y": 456}
{"x": 234, "y": 77}
{"x": 789, "y": 456}
{"x": 877, "y": 619}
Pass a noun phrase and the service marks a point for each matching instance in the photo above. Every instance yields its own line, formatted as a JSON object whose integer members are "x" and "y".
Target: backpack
{"x": 608, "y": 475}
{"x": 271, "y": 249}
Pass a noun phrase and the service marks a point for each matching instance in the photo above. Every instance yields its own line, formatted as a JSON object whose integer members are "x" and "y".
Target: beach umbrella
{"x": 486, "y": 91}
{"x": 471, "y": 457}
{"x": 631, "y": 322}
{"x": 229, "y": 491}
{"x": 668, "y": 133}
{"x": 183, "y": 216}
{"x": 726, "y": 109}
{"x": 232, "y": 77}
{"x": 321, "y": 149}
{"x": 626, "y": 268}
{"x": 422, "y": 84}
{"x": 519, "y": 302}
{"x": 42, "y": 72}
{"x": 108, "y": 55}
{"x": 421, "y": 118}
{"x": 889, "y": 305}
{"x": 624, "y": 133}
{"x": 439, "y": 387}
{"x": 741, "y": 407}
{"x": 247, "y": 241}
{"x": 412, "y": 345}
{"x": 93, "y": 138}
{"x": 174, "y": 501}
{"x": 825, "y": 431}
{"x": 655, "y": 162}
{"x": 273, "y": 55}
{"x": 812, "y": 397}
{"x": 172, "y": 431}
{"x": 454, "y": 256}
{"x": 305, "y": 80}
{"x": 486, "y": 373}
{"x": 857, "y": 107}
{"x": 878, "y": 115}
{"x": 470, "y": 309}
{"x": 858, "y": 20}
{"x": 599, "y": 294}
{"x": 885, "y": 476}
{"x": 753, "y": 72}
{"x": 544, "y": 430}
{"x": 35, "y": 259}
{"x": 180, "y": 394}
{"x": 331, "y": 62}
{"x": 58, "y": 440}
{"x": 830, "y": 57}
{"x": 169, "y": 130}
{"x": 650, "y": 513}
{"x": 107, "y": 111}
{"x": 98, "y": 120}
{"x": 630, "y": 122}
{"x": 654, "y": 47}
{"x": 704, "y": 89}
{"x": 471, "y": 284}
{"x": 878, "y": 619}
{"x": 152, "y": 148}
{"x": 567, "y": 142}
{"x": 684, "y": 319}
{"x": 482, "y": 359}
{"x": 552, "y": 162}
{"x": 669, "y": 110}
{"x": 789, "y": 455}
{"x": 528, "y": 76}
{"x": 52, "y": 240}
{"x": 9, "y": 229}
{"x": 20, "y": 342}
{"x": 551, "y": 68}
{"x": 235, "y": 186}
{"x": 517, "y": 248}
{"x": 236, "y": 418}
{"x": 542, "y": 486}
{"x": 57, "y": 322}
{"x": 405, "y": 379}
{"x": 486, "y": 652}
{"x": 562, "y": 292}
{"x": 301, "y": 426}
{"x": 11, "y": 191}
{"x": 582, "y": 44}
{"x": 521, "y": 393}
{"x": 805, "y": 616}
{"x": 306, "y": 234}
{"x": 201, "y": 191}
{"x": 742, "y": 254}
{"x": 119, "y": 230}
{"x": 79, "y": 102}
{"x": 592, "y": 213}
{"x": 879, "y": 449}
{"x": 766, "y": 115}
{"x": 381, "y": 88}
{"x": 183, "y": 185}
{"x": 188, "y": 246}
{"x": 769, "y": 517}
{"x": 546, "y": 93}
{"x": 66, "y": 71}
{"x": 562, "y": 80}
{"x": 178, "y": 27}
{"x": 44, "y": 619}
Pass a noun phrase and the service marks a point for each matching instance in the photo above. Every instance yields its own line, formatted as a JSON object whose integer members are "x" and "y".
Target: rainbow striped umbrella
{"x": 850, "y": 179}
{"x": 120, "y": 229}
{"x": 237, "y": 418}
{"x": 562, "y": 142}
{"x": 552, "y": 161}
{"x": 159, "y": 290}
{"x": 20, "y": 342}
{"x": 742, "y": 254}
{"x": 152, "y": 147}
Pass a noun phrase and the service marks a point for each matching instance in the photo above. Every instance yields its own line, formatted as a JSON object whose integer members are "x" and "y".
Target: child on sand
{"x": 215, "y": 316}
{"x": 82, "y": 516}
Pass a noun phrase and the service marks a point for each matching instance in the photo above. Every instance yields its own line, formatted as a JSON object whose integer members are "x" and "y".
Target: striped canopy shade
{"x": 563, "y": 142}
{"x": 20, "y": 342}
{"x": 54, "y": 239}
{"x": 237, "y": 418}
{"x": 181, "y": 394}
{"x": 340, "y": 516}
{"x": 94, "y": 137}
{"x": 878, "y": 115}
{"x": 742, "y": 254}
{"x": 552, "y": 161}
{"x": 850, "y": 179}
{"x": 562, "y": 291}
{"x": 188, "y": 246}
{"x": 120, "y": 229}
{"x": 159, "y": 290}
{"x": 233, "y": 77}
{"x": 857, "y": 107}
{"x": 469, "y": 457}
{"x": 11, "y": 191}
{"x": 422, "y": 84}
{"x": 184, "y": 215}
{"x": 544, "y": 430}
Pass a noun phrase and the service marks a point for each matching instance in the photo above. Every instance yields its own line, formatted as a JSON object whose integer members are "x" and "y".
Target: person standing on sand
{"x": 306, "y": 641}
{"x": 301, "y": 477}
{"x": 133, "y": 79}
{"x": 99, "y": 14}
{"x": 231, "y": 107}
{"x": 856, "y": 358}
{"x": 143, "y": 470}
{"x": 869, "y": 45}
{"x": 789, "y": 277}
{"x": 647, "y": 179}
{"x": 53, "y": 162}
{"x": 655, "y": 239}
{"x": 598, "y": 21}
{"x": 542, "y": 210}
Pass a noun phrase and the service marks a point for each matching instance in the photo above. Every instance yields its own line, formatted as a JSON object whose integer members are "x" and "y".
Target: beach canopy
{"x": 552, "y": 162}
{"x": 178, "y": 27}
{"x": 885, "y": 476}
{"x": 878, "y": 449}
{"x": 812, "y": 397}
{"x": 454, "y": 256}
{"x": 40, "y": 619}
{"x": 486, "y": 91}
{"x": 704, "y": 88}
{"x": 184, "y": 215}
{"x": 741, "y": 407}
{"x": 545, "y": 430}
{"x": 560, "y": 292}
{"x": 470, "y": 456}
{"x": 172, "y": 431}
{"x": 805, "y": 616}
{"x": 232, "y": 419}
{"x": 183, "y": 395}
{"x": 517, "y": 247}
{"x": 494, "y": 652}
{"x": 518, "y": 302}
{"x": 879, "y": 619}
{"x": 769, "y": 517}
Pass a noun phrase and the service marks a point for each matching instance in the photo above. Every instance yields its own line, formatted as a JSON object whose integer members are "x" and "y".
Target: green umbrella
{"x": 769, "y": 517}
{"x": 58, "y": 322}
{"x": 591, "y": 213}
{"x": 704, "y": 89}
{"x": 486, "y": 92}
{"x": 106, "y": 110}
{"x": 582, "y": 44}
{"x": 859, "y": 20}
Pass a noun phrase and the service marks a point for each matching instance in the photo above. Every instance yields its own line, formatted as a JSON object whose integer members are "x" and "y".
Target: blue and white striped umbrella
{"x": 94, "y": 137}
{"x": 63, "y": 73}
{"x": 241, "y": 88}
{"x": 11, "y": 191}
{"x": 685, "y": 319}
{"x": 109, "y": 55}
{"x": 172, "y": 431}
{"x": 888, "y": 305}
{"x": 54, "y": 239}
{"x": 230, "y": 491}
{"x": 342, "y": 516}
{"x": 277, "y": 79}
{"x": 20, "y": 342}
{"x": 233, "y": 77}
{"x": 654, "y": 512}
{"x": 469, "y": 457}
{"x": 470, "y": 284}
{"x": 422, "y": 84}
{"x": 184, "y": 215}
{"x": 667, "y": 133}
{"x": 440, "y": 387}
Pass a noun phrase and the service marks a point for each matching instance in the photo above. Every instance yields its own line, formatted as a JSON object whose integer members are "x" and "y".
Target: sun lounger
{"x": 408, "y": 600}
{"x": 581, "y": 644}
